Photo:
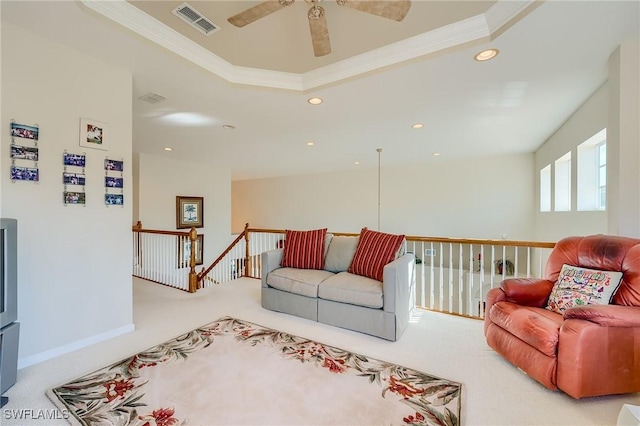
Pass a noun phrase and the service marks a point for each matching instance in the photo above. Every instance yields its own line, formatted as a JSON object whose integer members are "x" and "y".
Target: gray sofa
{"x": 336, "y": 297}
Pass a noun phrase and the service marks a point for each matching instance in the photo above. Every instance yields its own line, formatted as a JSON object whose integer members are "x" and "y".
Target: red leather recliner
{"x": 589, "y": 350}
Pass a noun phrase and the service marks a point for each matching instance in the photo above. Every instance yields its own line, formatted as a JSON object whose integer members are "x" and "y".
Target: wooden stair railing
{"x": 452, "y": 274}
{"x": 137, "y": 229}
{"x": 203, "y": 274}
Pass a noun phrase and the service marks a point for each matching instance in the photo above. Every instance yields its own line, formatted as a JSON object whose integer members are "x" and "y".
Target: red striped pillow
{"x": 304, "y": 249}
{"x": 374, "y": 251}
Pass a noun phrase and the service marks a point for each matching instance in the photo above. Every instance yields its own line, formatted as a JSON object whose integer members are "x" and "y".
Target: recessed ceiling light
{"x": 418, "y": 126}
{"x": 436, "y": 154}
{"x": 315, "y": 101}
{"x": 166, "y": 148}
{"x": 485, "y": 55}
{"x": 228, "y": 126}
{"x": 310, "y": 143}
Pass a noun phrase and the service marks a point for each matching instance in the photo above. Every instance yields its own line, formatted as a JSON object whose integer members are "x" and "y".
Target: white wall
{"x": 623, "y": 136}
{"x": 613, "y": 106}
{"x": 588, "y": 120}
{"x": 74, "y": 262}
{"x": 161, "y": 178}
{"x": 475, "y": 198}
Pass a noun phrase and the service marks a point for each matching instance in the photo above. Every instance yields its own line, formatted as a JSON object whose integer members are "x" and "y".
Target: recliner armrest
{"x": 270, "y": 261}
{"x": 397, "y": 283}
{"x": 606, "y": 315}
{"x": 527, "y": 291}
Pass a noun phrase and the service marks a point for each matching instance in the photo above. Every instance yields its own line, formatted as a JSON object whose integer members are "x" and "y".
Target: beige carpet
{"x": 236, "y": 371}
{"x": 494, "y": 391}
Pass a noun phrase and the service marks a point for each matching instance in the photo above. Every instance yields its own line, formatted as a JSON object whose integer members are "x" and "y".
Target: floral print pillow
{"x": 580, "y": 286}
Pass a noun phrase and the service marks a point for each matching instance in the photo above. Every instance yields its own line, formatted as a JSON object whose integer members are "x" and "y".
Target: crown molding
{"x": 423, "y": 44}
{"x": 471, "y": 29}
{"x": 503, "y": 12}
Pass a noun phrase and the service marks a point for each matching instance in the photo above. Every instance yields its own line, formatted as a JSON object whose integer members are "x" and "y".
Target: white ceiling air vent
{"x": 194, "y": 18}
{"x": 152, "y": 98}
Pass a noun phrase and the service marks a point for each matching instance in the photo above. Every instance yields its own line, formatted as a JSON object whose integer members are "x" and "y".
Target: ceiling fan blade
{"x": 391, "y": 9}
{"x": 319, "y": 31}
{"x": 259, "y": 11}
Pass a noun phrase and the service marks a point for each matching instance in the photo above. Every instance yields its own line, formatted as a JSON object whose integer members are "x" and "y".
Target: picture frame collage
{"x": 74, "y": 178}
{"x": 24, "y": 152}
{"x": 113, "y": 182}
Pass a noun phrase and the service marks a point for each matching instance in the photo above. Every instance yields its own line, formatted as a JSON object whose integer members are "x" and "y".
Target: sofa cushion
{"x": 374, "y": 251}
{"x": 353, "y": 289}
{"x": 304, "y": 249}
{"x": 581, "y": 286}
{"x": 298, "y": 281}
{"x": 538, "y": 327}
{"x": 340, "y": 253}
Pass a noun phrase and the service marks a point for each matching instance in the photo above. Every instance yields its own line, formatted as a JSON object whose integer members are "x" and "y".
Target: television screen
{"x": 8, "y": 271}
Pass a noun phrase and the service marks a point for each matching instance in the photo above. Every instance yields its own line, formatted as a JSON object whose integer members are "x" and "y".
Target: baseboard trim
{"x": 74, "y": 346}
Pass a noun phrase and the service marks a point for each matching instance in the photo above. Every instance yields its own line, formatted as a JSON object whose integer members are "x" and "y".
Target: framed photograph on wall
{"x": 77, "y": 160}
{"x": 189, "y": 212}
{"x": 113, "y": 165}
{"x": 24, "y": 131}
{"x": 94, "y": 134}
{"x": 184, "y": 251}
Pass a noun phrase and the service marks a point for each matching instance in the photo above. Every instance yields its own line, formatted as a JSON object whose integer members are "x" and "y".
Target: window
{"x": 563, "y": 183}
{"x": 602, "y": 175}
{"x": 545, "y": 189}
{"x": 592, "y": 173}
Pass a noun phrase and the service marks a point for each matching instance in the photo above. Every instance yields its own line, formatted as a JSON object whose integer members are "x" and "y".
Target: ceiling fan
{"x": 390, "y": 9}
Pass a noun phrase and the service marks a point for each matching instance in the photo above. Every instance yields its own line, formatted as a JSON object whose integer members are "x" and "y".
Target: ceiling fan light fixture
{"x": 487, "y": 54}
{"x": 314, "y": 101}
{"x": 396, "y": 10}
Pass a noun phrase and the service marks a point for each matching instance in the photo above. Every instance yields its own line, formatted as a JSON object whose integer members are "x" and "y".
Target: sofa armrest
{"x": 527, "y": 291}
{"x": 270, "y": 261}
{"x": 398, "y": 281}
{"x": 606, "y": 315}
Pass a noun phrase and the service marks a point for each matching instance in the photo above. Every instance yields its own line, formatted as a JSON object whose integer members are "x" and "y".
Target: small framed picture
{"x": 24, "y": 152}
{"x": 24, "y": 131}
{"x": 113, "y": 182}
{"x": 189, "y": 212}
{"x": 73, "y": 197}
{"x": 25, "y": 173}
{"x": 94, "y": 134}
{"x": 184, "y": 251}
{"x": 114, "y": 165}
{"x": 78, "y": 160}
{"x": 73, "y": 178}
{"x": 114, "y": 199}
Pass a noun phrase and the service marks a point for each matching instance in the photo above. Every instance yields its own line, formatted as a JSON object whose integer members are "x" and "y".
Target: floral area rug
{"x": 236, "y": 372}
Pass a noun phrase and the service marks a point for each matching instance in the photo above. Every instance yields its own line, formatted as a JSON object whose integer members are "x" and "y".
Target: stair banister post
{"x": 247, "y": 258}
{"x": 193, "y": 277}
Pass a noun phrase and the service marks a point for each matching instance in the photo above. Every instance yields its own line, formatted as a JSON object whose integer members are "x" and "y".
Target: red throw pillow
{"x": 374, "y": 251}
{"x": 304, "y": 249}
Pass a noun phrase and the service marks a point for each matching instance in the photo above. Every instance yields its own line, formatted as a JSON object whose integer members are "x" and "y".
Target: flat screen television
{"x": 8, "y": 271}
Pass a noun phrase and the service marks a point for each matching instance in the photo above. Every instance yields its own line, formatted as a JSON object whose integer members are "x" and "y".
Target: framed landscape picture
{"x": 189, "y": 212}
